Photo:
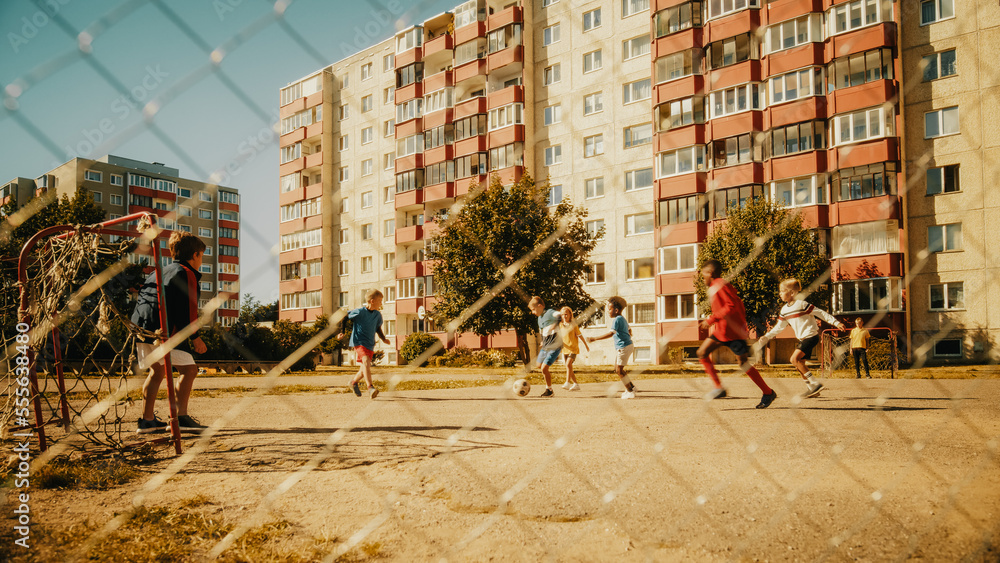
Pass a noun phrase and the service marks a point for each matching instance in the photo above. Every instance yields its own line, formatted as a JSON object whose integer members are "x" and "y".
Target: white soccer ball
{"x": 522, "y": 387}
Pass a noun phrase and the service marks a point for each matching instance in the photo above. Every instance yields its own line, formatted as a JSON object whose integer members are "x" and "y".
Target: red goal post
{"x": 836, "y": 357}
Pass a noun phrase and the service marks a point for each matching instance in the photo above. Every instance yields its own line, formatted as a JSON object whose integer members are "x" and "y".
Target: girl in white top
{"x": 801, "y": 316}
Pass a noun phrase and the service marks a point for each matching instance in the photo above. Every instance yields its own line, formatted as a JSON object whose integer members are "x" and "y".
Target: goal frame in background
{"x": 104, "y": 228}
{"x": 883, "y": 352}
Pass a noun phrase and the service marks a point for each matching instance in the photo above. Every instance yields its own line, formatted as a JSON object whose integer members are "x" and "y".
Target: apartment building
{"x": 655, "y": 115}
{"x": 952, "y": 155}
{"x": 122, "y": 186}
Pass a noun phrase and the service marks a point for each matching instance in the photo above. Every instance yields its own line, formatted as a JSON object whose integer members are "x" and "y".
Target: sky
{"x": 192, "y": 84}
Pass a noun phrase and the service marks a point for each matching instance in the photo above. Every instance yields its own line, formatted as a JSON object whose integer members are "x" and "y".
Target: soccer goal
{"x": 70, "y": 344}
{"x": 837, "y": 359}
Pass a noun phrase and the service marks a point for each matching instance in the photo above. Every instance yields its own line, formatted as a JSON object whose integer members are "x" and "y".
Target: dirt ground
{"x": 870, "y": 470}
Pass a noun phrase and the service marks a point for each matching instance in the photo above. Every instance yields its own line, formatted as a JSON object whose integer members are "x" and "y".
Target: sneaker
{"x": 374, "y": 392}
{"x": 187, "y": 423}
{"x": 628, "y": 394}
{"x": 566, "y": 385}
{"x": 718, "y": 393}
{"x": 575, "y": 387}
{"x": 548, "y": 393}
{"x": 150, "y": 426}
{"x": 813, "y": 390}
{"x": 356, "y": 389}
{"x": 766, "y": 400}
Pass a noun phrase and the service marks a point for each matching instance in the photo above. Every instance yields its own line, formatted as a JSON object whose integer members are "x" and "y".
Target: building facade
{"x": 123, "y": 186}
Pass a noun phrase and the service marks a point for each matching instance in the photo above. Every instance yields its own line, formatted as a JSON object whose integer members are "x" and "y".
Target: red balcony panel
{"x": 291, "y": 167}
{"x": 505, "y": 136}
{"x": 229, "y": 277}
{"x": 733, "y": 24}
{"x": 408, "y": 234}
{"x": 881, "y": 150}
{"x": 471, "y": 106}
{"x": 438, "y": 81}
{"x": 408, "y": 306}
{"x": 672, "y": 284}
{"x": 409, "y": 270}
{"x": 741, "y": 174}
{"x": 314, "y": 130}
{"x": 468, "y": 146}
{"x": 679, "y": 88}
{"x": 229, "y": 224}
{"x": 409, "y": 92}
{"x": 232, "y": 259}
{"x": 440, "y": 43}
{"x": 288, "y": 198}
{"x": 781, "y": 10}
{"x": 431, "y": 228}
{"x": 864, "y": 96}
{"x": 815, "y": 216}
{"x": 410, "y": 162}
{"x": 747, "y": 71}
{"x": 680, "y": 137}
{"x": 510, "y": 174}
{"x": 411, "y": 127}
{"x": 439, "y": 154}
{"x": 504, "y": 339}
{"x": 292, "y": 108}
{"x": 226, "y": 206}
{"x": 675, "y": 42}
{"x": 806, "y": 109}
{"x": 732, "y": 125}
{"x": 409, "y": 199}
{"x": 685, "y": 233}
{"x": 292, "y": 256}
{"x": 428, "y": 271}
{"x": 470, "y": 32}
{"x": 881, "y": 35}
{"x": 314, "y": 252}
{"x": 680, "y": 331}
{"x": 289, "y": 227}
{"x": 500, "y": 59}
{"x": 314, "y": 99}
{"x": 314, "y": 160}
{"x": 292, "y": 286}
{"x": 314, "y": 283}
{"x": 438, "y": 118}
{"x": 229, "y": 241}
{"x": 887, "y": 264}
{"x": 470, "y": 69}
{"x": 796, "y": 165}
{"x": 438, "y": 192}
{"x": 810, "y": 54}
{"x": 314, "y": 190}
{"x": 513, "y": 14}
{"x": 293, "y": 315}
{"x": 409, "y": 57}
{"x": 677, "y": 186}
{"x": 471, "y": 340}
{"x": 465, "y": 185}
{"x": 865, "y": 210}
{"x": 295, "y": 136}
{"x": 148, "y": 192}
{"x": 314, "y": 222}
{"x": 227, "y": 313}
{"x": 506, "y": 96}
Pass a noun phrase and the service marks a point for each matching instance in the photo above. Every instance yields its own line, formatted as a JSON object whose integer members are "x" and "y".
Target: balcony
{"x": 734, "y": 23}
{"x": 409, "y": 270}
{"x": 470, "y": 106}
{"x": 464, "y": 185}
{"x": 738, "y": 175}
{"x": 410, "y": 127}
{"x": 500, "y": 59}
{"x": 732, "y": 125}
{"x": 781, "y": 10}
{"x": 675, "y": 283}
{"x": 408, "y": 200}
{"x": 506, "y": 135}
{"x": 686, "y": 136}
{"x": 813, "y": 162}
{"x": 409, "y": 57}
{"x": 439, "y": 192}
{"x": 406, "y": 235}
{"x": 435, "y": 82}
{"x": 470, "y": 69}
{"x": 868, "y": 152}
{"x": 470, "y": 32}
{"x": 862, "y": 96}
{"x": 505, "y": 96}
{"x": 861, "y": 40}
{"x": 679, "y": 88}
{"x": 513, "y": 14}
{"x": 409, "y": 92}
{"x": 680, "y": 331}
{"x": 677, "y": 186}
{"x": 471, "y": 145}
{"x": 683, "y": 233}
{"x": 677, "y": 42}
{"x": 410, "y": 162}
{"x": 408, "y": 306}
{"x": 292, "y": 166}
{"x": 864, "y": 210}
{"x": 292, "y": 137}
{"x": 810, "y": 54}
{"x": 439, "y": 44}
{"x": 438, "y": 118}
{"x": 740, "y": 73}
{"x": 314, "y": 160}
{"x": 509, "y": 175}
{"x": 439, "y": 154}
{"x": 803, "y": 109}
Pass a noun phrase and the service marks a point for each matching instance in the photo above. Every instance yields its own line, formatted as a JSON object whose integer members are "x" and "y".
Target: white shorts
{"x": 177, "y": 357}
{"x": 623, "y": 354}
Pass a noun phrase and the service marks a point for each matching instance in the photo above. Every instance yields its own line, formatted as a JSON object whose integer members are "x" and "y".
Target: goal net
{"x": 837, "y": 358}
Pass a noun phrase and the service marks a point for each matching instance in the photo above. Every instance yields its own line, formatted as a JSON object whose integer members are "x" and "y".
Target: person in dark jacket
{"x": 181, "y": 292}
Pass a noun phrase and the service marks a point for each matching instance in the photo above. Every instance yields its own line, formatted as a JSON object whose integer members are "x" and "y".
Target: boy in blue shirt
{"x": 623, "y": 342}
{"x": 367, "y": 323}
{"x": 548, "y": 352}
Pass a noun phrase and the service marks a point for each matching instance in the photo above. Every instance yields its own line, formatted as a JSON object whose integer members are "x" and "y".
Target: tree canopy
{"x": 787, "y": 249}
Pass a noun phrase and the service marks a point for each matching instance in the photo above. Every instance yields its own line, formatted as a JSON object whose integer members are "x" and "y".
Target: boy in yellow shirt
{"x": 859, "y": 347}
{"x": 571, "y": 337}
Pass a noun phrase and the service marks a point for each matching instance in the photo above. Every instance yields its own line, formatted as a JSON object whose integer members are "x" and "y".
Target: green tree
{"x": 762, "y": 244}
{"x": 496, "y": 228}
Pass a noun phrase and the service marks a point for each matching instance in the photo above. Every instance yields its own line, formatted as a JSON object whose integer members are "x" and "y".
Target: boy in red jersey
{"x": 729, "y": 320}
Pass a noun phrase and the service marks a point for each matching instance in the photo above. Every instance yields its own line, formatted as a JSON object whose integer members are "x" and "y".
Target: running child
{"x": 571, "y": 338}
{"x": 802, "y": 318}
{"x": 729, "y": 324}
{"x": 548, "y": 352}
{"x": 859, "y": 347}
{"x": 623, "y": 342}
{"x": 367, "y": 323}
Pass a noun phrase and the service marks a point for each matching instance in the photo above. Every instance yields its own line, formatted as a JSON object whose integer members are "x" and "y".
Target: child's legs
{"x": 366, "y": 371}
{"x": 149, "y": 389}
{"x": 569, "y": 368}
{"x": 754, "y": 375}
{"x": 798, "y": 360}
{"x": 548, "y": 375}
{"x": 864, "y": 357}
{"x": 705, "y": 357}
{"x": 184, "y": 386}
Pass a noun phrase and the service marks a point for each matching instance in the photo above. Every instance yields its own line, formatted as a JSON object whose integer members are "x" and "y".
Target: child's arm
{"x": 608, "y": 334}
{"x": 830, "y": 319}
{"x": 381, "y": 335}
{"x": 763, "y": 340}
{"x": 583, "y": 339}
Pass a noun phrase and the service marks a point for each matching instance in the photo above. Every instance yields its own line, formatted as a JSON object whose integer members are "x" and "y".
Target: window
{"x": 941, "y": 122}
{"x": 438, "y": 100}
{"x": 854, "y": 15}
{"x": 116, "y": 180}
{"x": 470, "y": 51}
{"x": 98, "y": 197}
{"x": 792, "y": 33}
{"x": 409, "y": 288}
{"x": 592, "y": 61}
{"x": 679, "y": 113}
{"x": 345, "y": 142}
{"x": 411, "y": 39}
{"x": 796, "y": 138}
{"x": 681, "y": 258}
{"x": 409, "y": 145}
{"x": 408, "y": 110}
{"x": 366, "y": 167}
{"x": 638, "y": 224}
{"x": 367, "y": 200}
{"x": 859, "y": 69}
{"x": 138, "y": 180}
{"x": 936, "y": 10}
{"x": 948, "y": 348}
{"x": 345, "y": 173}
{"x": 594, "y": 187}
{"x": 799, "y": 192}
{"x": 550, "y": 35}
{"x": 633, "y": 7}
{"x": 593, "y": 103}
{"x": 678, "y": 18}
{"x": 595, "y": 229}
{"x": 228, "y": 250}
{"x": 439, "y": 136}
{"x": 738, "y": 99}
{"x": 862, "y": 125}
{"x": 471, "y": 126}
{"x": 367, "y": 135}
{"x": 204, "y": 214}
{"x": 389, "y": 95}
{"x": 290, "y": 182}
{"x": 345, "y": 236}
{"x": 593, "y": 145}
{"x": 181, "y": 192}
{"x": 440, "y": 173}
{"x": 862, "y": 182}
{"x": 678, "y": 65}
{"x": 389, "y": 162}
{"x": 555, "y": 195}
{"x": 408, "y": 181}
{"x": 684, "y": 209}
{"x": 795, "y": 85}
{"x": 507, "y": 155}
{"x": 345, "y": 112}
{"x": 640, "y": 313}
{"x": 860, "y": 239}
{"x": 639, "y": 269}
{"x": 203, "y": 232}
{"x": 117, "y": 200}
{"x": 504, "y": 116}
{"x": 366, "y": 264}
{"x": 734, "y": 150}
{"x": 553, "y": 114}
{"x": 551, "y": 75}
{"x": 944, "y": 238}
{"x": 205, "y": 286}
{"x": 183, "y": 228}
{"x": 229, "y": 197}
{"x": 678, "y": 307}
{"x": 939, "y": 65}
{"x": 388, "y": 62}
{"x": 719, "y": 8}
{"x": 636, "y": 91}
{"x": 947, "y": 296}
{"x": 389, "y": 128}
{"x": 873, "y": 295}
{"x": 388, "y": 260}
{"x": 92, "y": 175}
{"x": 635, "y": 47}
{"x": 472, "y": 165}
{"x": 591, "y": 19}
{"x": 595, "y": 273}
{"x": 940, "y": 180}
{"x": 291, "y": 152}
{"x": 343, "y": 299}
{"x": 366, "y": 71}
{"x": 500, "y": 39}
{"x": 553, "y": 155}
{"x": 367, "y": 103}
{"x": 388, "y": 227}
{"x": 733, "y": 50}
{"x": 235, "y": 234}
{"x": 723, "y": 199}
{"x": 681, "y": 161}
{"x": 638, "y": 135}
{"x": 638, "y": 179}
{"x": 344, "y": 268}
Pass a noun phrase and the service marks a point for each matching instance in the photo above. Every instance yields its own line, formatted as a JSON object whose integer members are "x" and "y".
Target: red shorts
{"x": 363, "y": 353}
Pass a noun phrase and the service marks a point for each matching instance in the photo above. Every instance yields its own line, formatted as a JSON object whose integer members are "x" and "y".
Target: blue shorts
{"x": 548, "y": 357}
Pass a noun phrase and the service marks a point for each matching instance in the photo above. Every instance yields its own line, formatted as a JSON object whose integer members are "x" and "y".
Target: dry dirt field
{"x": 871, "y": 470}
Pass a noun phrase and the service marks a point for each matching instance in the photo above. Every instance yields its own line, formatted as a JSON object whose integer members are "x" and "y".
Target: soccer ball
{"x": 522, "y": 387}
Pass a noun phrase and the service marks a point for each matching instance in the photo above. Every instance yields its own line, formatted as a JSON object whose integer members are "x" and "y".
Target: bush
{"x": 461, "y": 356}
{"x": 415, "y": 345}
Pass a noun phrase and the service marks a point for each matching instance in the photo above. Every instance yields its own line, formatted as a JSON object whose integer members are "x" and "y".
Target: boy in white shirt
{"x": 802, "y": 318}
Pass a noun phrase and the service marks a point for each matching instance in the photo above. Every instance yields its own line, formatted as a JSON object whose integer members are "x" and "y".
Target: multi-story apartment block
{"x": 656, "y": 115}
{"x": 123, "y": 186}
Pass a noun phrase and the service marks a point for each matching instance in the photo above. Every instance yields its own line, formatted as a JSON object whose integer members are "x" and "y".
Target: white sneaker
{"x": 575, "y": 387}
{"x": 628, "y": 395}
{"x": 566, "y": 385}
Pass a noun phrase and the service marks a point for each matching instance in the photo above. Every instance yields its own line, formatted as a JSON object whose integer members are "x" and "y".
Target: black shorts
{"x": 807, "y": 345}
{"x": 739, "y": 347}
